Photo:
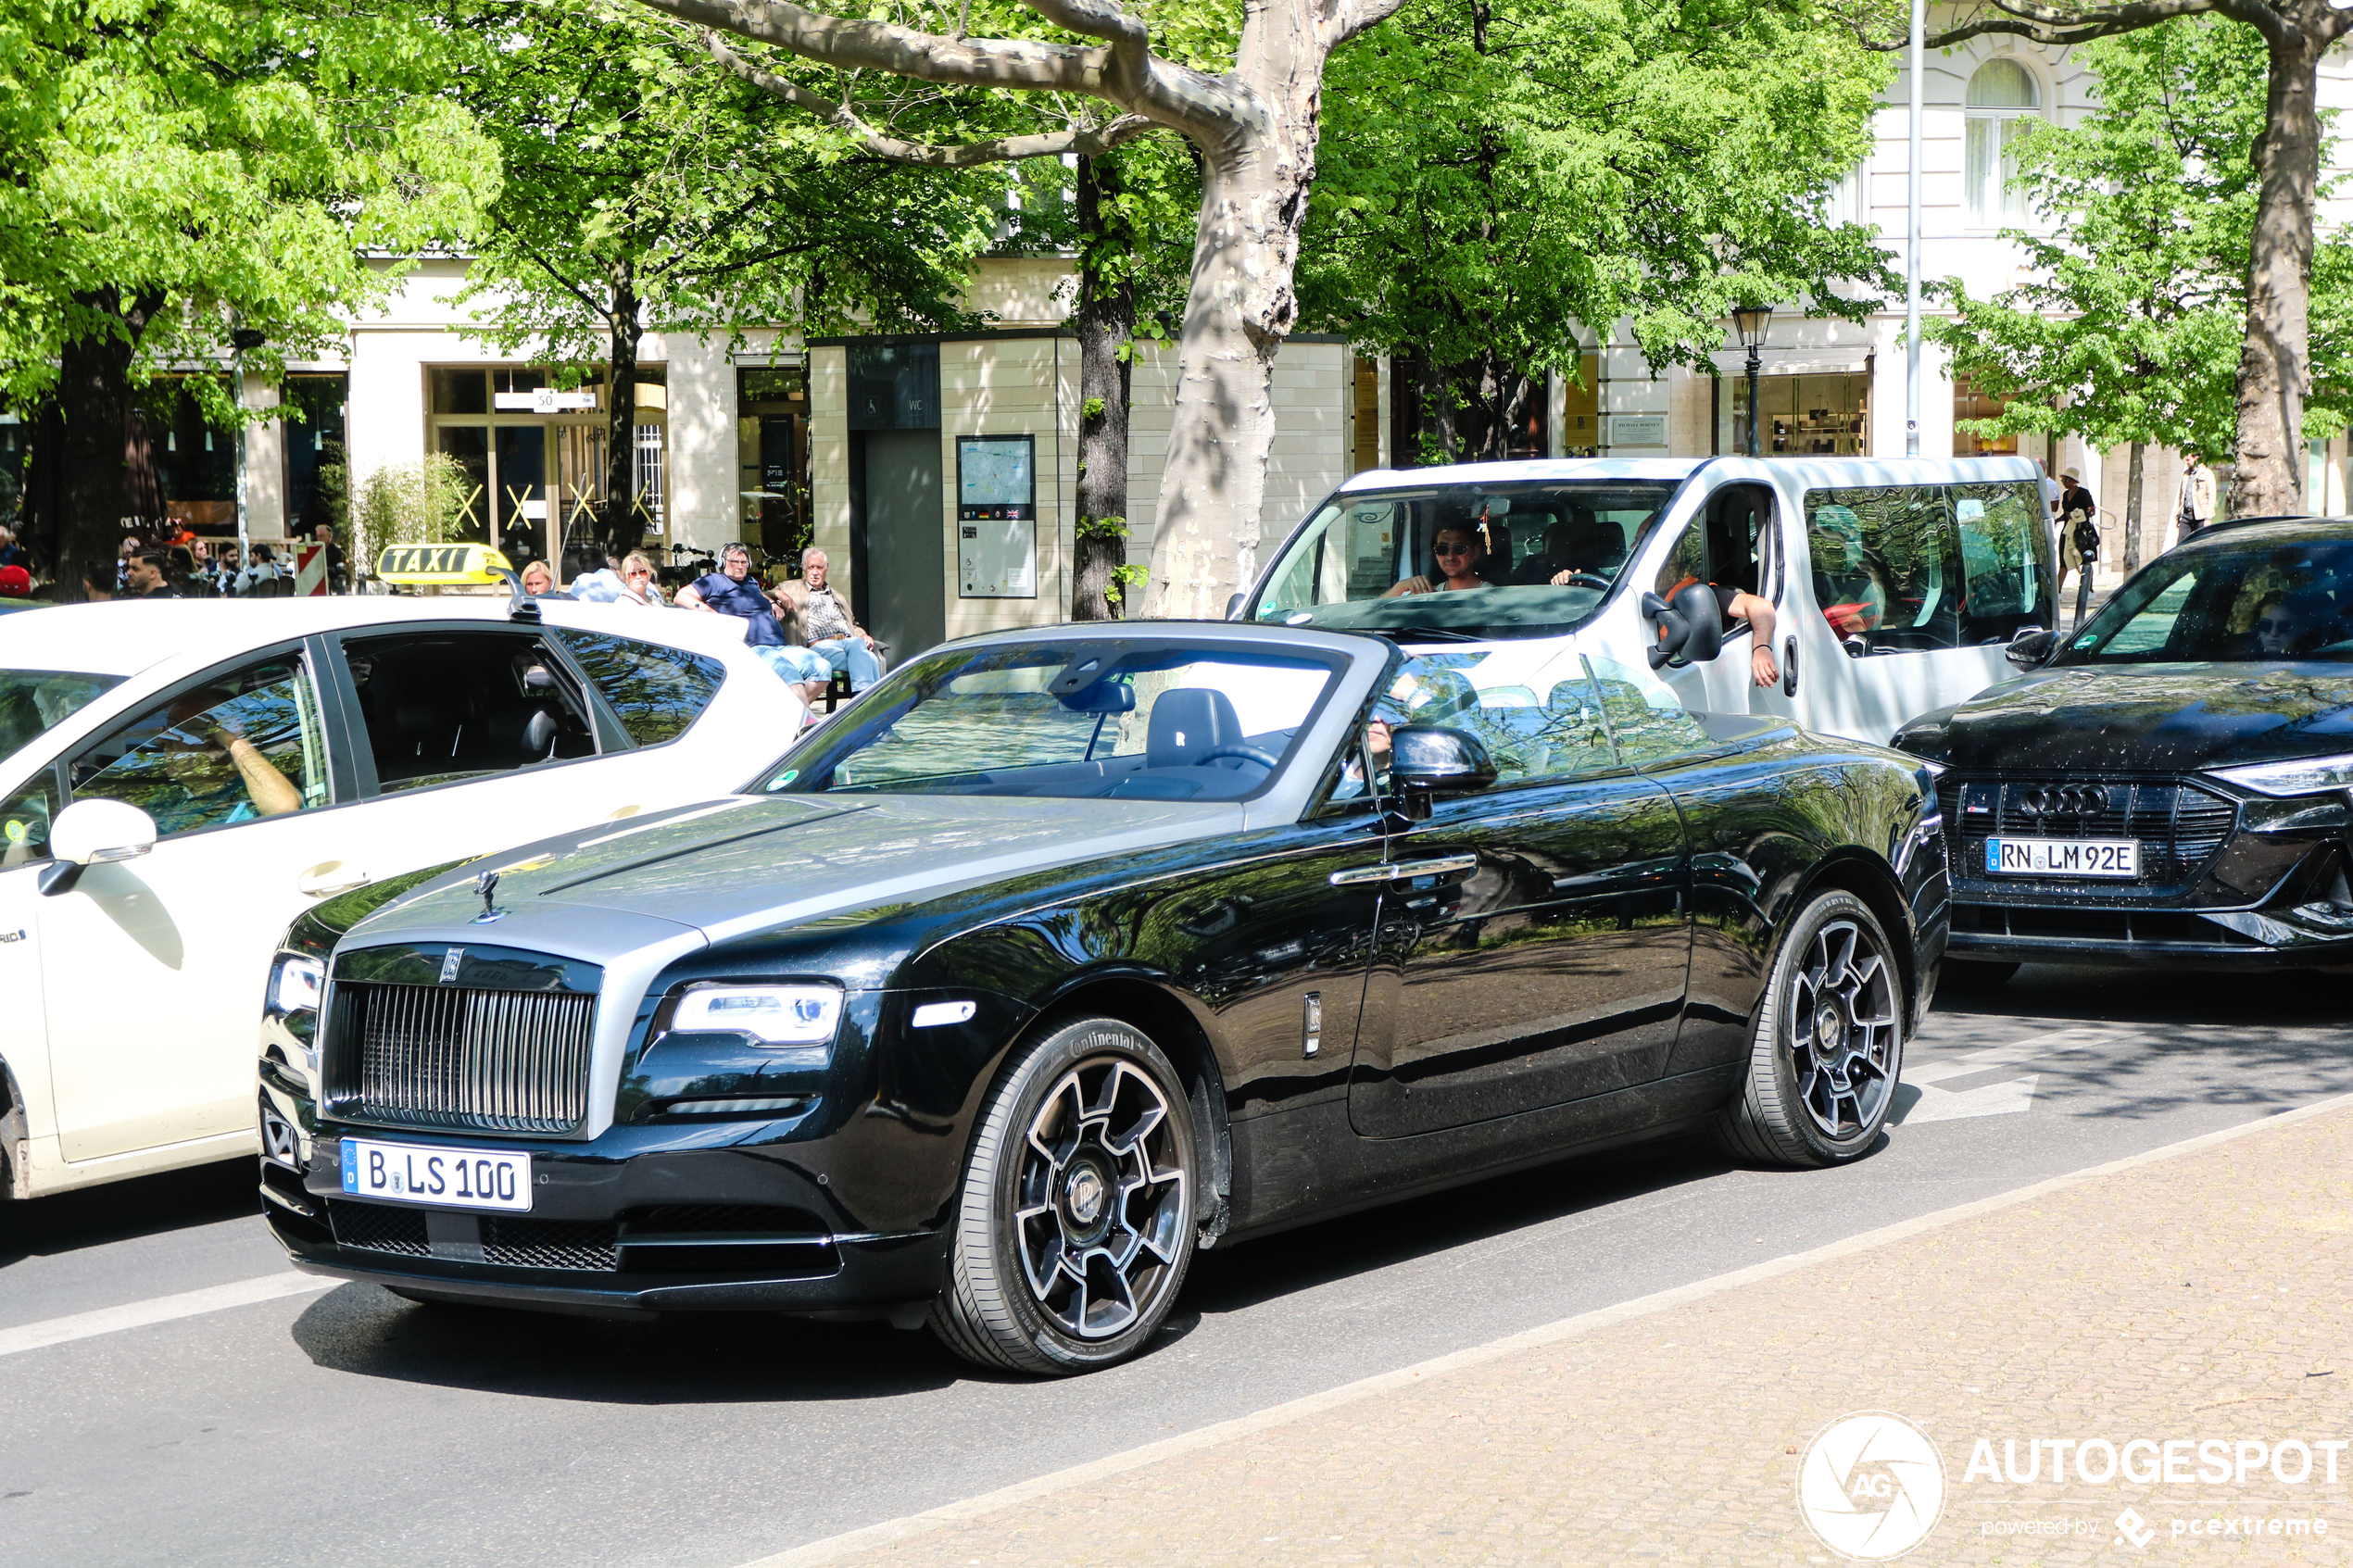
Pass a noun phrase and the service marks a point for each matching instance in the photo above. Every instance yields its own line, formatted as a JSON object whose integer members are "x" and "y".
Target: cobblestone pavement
{"x": 2198, "y": 1295}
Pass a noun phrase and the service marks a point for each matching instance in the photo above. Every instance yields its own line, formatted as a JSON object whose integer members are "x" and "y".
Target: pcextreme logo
{"x": 1870, "y": 1486}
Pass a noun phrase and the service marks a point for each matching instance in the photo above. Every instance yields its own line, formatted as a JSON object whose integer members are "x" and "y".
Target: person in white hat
{"x": 2079, "y": 537}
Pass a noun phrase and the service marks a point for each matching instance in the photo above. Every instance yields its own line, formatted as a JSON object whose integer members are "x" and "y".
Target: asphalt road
{"x": 345, "y": 1425}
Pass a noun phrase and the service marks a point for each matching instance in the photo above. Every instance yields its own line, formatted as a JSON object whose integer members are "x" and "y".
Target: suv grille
{"x": 2178, "y": 825}
{"x": 448, "y": 1056}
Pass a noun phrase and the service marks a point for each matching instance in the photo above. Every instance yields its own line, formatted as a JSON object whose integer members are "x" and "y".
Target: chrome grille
{"x": 2179, "y": 825}
{"x": 447, "y": 1056}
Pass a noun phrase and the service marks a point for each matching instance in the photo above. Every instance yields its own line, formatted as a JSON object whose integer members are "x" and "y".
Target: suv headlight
{"x": 298, "y": 984}
{"x": 774, "y": 1015}
{"x": 2305, "y": 775}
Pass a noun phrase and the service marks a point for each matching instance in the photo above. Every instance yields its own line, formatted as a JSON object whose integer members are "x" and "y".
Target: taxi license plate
{"x": 442, "y": 1178}
{"x": 2063, "y": 857}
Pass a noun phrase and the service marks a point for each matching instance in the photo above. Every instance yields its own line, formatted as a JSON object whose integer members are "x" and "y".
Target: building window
{"x": 1968, "y": 403}
{"x": 1806, "y": 416}
{"x": 772, "y": 455}
{"x": 2003, "y": 99}
{"x": 1850, "y": 200}
{"x": 314, "y": 449}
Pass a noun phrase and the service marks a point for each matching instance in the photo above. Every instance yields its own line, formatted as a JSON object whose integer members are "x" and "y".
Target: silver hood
{"x": 745, "y": 864}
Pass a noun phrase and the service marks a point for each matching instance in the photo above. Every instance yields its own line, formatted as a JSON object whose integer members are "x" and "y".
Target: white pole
{"x": 244, "y": 544}
{"x": 1912, "y": 236}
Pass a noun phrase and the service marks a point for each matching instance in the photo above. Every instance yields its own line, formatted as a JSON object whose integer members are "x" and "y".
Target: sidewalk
{"x": 2202, "y": 1296}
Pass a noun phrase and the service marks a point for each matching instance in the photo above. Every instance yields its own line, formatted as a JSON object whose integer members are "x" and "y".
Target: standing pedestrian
{"x": 338, "y": 579}
{"x": 2193, "y": 503}
{"x": 2079, "y": 539}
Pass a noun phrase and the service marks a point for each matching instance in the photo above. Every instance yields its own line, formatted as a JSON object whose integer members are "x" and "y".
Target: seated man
{"x": 730, "y": 591}
{"x": 1460, "y": 553}
{"x": 827, "y": 621}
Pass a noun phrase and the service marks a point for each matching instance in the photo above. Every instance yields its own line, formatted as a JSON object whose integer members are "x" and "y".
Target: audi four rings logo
{"x": 2064, "y": 800}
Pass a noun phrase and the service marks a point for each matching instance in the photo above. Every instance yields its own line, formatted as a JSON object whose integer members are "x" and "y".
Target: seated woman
{"x": 1460, "y": 554}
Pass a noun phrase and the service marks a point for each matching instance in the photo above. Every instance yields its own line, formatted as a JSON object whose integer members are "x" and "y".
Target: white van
{"x": 1896, "y": 583}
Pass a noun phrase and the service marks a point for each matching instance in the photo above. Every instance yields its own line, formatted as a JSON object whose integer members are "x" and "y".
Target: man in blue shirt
{"x": 730, "y": 591}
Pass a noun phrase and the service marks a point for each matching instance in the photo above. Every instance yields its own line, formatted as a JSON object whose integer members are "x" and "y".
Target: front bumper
{"x": 2209, "y": 940}
{"x": 712, "y": 1230}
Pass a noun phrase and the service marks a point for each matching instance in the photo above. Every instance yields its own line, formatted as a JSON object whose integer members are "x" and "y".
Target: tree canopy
{"x": 1496, "y": 175}
{"x": 186, "y": 169}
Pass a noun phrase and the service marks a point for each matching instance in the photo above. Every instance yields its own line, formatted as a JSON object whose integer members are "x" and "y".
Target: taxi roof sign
{"x": 443, "y": 566}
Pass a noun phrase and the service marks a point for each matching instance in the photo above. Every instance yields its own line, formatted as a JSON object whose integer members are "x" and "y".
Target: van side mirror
{"x": 2030, "y": 648}
{"x": 1691, "y": 626}
{"x": 91, "y": 832}
{"x": 1428, "y": 760}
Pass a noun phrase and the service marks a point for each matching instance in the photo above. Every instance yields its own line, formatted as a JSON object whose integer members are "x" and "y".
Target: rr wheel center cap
{"x": 1084, "y": 1195}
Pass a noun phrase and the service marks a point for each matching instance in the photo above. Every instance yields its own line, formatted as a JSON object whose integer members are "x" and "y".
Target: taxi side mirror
{"x": 91, "y": 832}
{"x": 1690, "y": 626}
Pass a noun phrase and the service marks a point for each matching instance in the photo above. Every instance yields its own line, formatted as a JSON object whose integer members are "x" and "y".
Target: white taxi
{"x": 180, "y": 780}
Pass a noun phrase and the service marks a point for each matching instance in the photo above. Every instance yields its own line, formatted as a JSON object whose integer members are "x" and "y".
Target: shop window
{"x": 313, "y": 442}
{"x": 1968, "y": 403}
{"x": 1805, "y": 416}
{"x": 772, "y": 435}
{"x": 195, "y": 463}
{"x": 2003, "y": 99}
{"x": 463, "y": 391}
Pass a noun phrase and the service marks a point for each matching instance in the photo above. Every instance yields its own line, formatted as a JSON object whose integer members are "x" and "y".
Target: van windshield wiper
{"x": 1438, "y": 634}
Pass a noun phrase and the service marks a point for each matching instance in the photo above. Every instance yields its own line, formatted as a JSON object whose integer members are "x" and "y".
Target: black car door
{"x": 1532, "y": 947}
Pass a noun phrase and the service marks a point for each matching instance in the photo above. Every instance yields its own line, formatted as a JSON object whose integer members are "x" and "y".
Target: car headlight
{"x": 298, "y": 985}
{"x": 775, "y": 1015}
{"x": 2306, "y": 775}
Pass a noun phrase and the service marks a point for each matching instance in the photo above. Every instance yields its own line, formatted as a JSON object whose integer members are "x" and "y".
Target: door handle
{"x": 1405, "y": 870}
{"x": 1789, "y": 667}
{"x": 329, "y": 878}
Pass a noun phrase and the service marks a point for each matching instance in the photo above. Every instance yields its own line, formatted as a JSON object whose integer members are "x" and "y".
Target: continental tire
{"x": 1827, "y": 1052}
{"x": 1075, "y": 1225}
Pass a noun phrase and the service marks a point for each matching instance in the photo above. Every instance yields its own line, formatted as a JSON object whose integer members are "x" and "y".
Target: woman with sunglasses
{"x": 1460, "y": 553}
{"x": 638, "y": 584}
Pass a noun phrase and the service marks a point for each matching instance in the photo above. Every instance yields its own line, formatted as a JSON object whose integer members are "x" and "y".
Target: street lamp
{"x": 240, "y": 340}
{"x": 1749, "y": 324}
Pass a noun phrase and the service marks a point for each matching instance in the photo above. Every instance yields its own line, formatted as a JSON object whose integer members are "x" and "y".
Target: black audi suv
{"x": 2172, "y": 785}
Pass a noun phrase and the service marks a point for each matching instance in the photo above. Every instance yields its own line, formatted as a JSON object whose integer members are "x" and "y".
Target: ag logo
{"x": 1870, "y": 1486}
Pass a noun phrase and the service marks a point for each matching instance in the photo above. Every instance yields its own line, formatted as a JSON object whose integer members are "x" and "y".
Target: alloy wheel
{"x": 1102, "y": 1205}
{"x": 1843, "y": 1028}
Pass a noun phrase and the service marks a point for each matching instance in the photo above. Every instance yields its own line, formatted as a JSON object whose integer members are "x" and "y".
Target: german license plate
{"x": 440, "y": 1178}
{"x": 2063, "y": 857}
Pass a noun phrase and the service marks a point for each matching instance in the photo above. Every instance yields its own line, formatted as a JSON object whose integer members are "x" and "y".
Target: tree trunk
{"x": 41, "y": 507}
{"x": 2132, "y": 509}
{"x": 1441, "y": 436}
{"x": 94, "y": 401}
{"x": 1106, "y": 324}
{"x": 622, "y": 531}
{"x": 2275, "y": 363}
{"x": 1240, "y": 306}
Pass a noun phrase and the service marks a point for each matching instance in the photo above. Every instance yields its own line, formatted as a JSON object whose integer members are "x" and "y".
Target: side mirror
{"x": 1234, "y": 605}
{"x": 1430, "y": 759}
{"x": 91, "y": 832}
{"x": 2030, "y": 648}
{"x": 1691, "y": 627}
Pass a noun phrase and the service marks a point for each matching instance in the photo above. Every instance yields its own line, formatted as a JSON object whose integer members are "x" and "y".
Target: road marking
{"x": 160, "y": 1309}
{"x": 2006, "y": 1097}
{"x": 906, "y": 1525}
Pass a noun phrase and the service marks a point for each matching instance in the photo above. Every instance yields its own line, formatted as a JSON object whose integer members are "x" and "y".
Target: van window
{"x": 1730, "y": 544}
{"x": 2005, "y": 564}
{"x": 1886, "y": 567}
{"x": 1547, "y": 555}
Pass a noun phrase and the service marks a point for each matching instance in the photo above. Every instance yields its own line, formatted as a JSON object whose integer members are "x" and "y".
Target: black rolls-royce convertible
{"x": 1062, "y": 953}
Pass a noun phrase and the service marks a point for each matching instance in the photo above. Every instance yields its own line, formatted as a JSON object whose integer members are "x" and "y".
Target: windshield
{"x": 1118, "y": 720}
{"x": 2245, "y": 599}
{"x": 34, "y": 701}
{"x": 1527, "y": 559}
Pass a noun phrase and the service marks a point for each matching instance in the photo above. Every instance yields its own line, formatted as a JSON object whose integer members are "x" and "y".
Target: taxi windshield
{"x": 34, "y": 701}
{"x": 2253, "y": 597}
{"x": 1527, "y": 559}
